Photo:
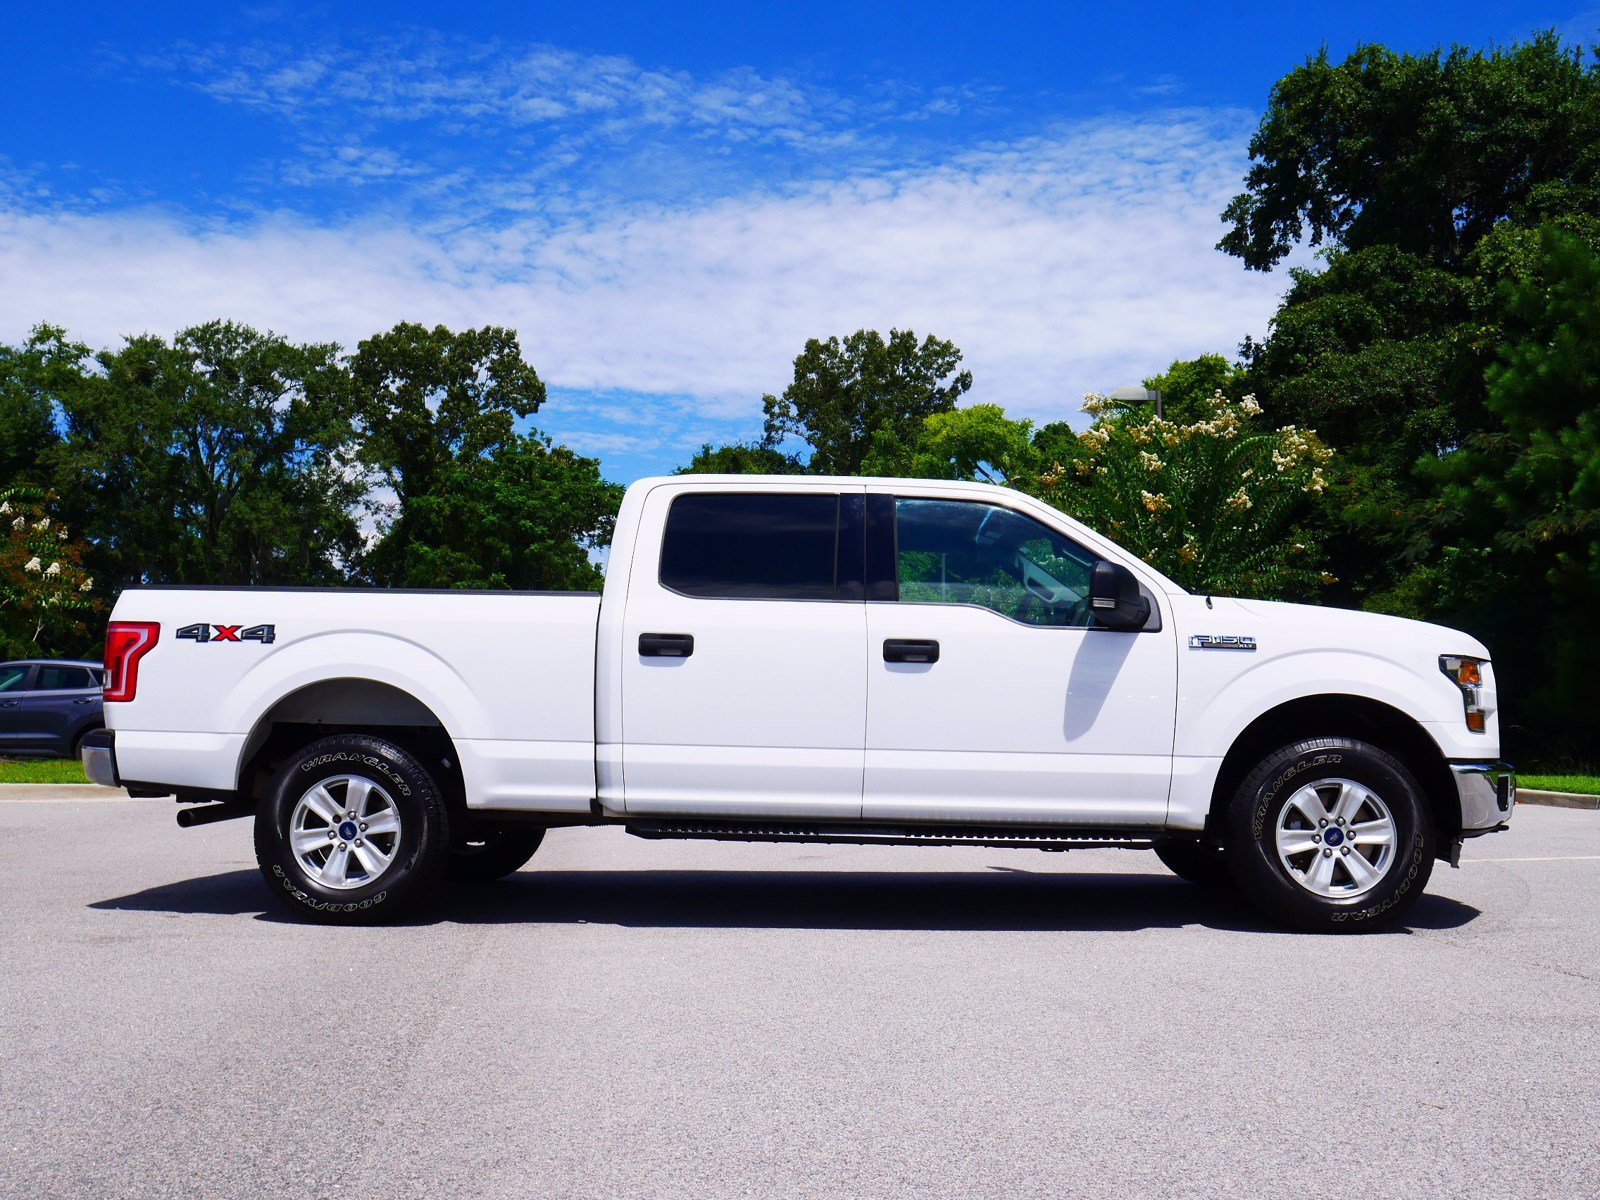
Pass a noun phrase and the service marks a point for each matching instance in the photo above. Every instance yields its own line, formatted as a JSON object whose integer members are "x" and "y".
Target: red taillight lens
{"x": 126, "y": 643}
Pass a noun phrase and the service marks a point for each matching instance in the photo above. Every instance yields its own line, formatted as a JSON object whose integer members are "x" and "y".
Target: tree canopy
{"x": 1425, "y": 153}
{"x": 847, "y": 393}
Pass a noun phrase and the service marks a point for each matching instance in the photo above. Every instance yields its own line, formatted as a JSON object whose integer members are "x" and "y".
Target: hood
{"x": 1315, "y": 622}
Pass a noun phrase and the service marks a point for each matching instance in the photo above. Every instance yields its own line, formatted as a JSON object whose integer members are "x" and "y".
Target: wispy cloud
{"x": 1074, "y": 260}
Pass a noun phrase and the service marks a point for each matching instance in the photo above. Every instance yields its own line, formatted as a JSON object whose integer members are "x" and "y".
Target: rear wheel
{"x": 486, "y": 854}
{"x": 1191, "y": 859}
{"x": 353, "y": 831}
{"x": 1331, "y": 834}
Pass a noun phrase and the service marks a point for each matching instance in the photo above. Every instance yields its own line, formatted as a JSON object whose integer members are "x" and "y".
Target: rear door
{"x": 744, "y": 636}
{"x": 14, "y": 681}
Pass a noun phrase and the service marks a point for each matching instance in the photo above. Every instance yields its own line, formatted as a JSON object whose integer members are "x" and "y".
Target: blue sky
{"x": 667, "y": 200}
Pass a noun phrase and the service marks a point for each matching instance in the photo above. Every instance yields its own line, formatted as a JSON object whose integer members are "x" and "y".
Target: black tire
{"x": 1195, "y": 861}
{"x": 77, "y": 742}
{"x": 487, "y": 854}
{"x": 1253, "y": 822}
{"x": 418, "y": 848}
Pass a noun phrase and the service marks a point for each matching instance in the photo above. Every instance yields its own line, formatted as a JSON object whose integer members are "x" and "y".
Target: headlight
{"x": 1467, "y": 674}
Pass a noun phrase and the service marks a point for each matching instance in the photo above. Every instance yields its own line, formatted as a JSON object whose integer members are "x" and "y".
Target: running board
{"x": 902, "y": 835}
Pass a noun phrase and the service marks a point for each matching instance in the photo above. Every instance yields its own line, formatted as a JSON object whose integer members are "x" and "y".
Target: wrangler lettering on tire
{"x": 353, "y": 830}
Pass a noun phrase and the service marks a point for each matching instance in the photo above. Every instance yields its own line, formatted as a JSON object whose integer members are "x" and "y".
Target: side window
{"x": 64, "y": 679}
{"x": 752, "y": 546}
{"x": 12, "y": 677}
{"x": 968, "y": 552}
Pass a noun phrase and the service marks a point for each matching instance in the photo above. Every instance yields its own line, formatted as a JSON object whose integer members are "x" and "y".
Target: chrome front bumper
{"x": 100, "y": 757}
{"x": 1488, "y": 792}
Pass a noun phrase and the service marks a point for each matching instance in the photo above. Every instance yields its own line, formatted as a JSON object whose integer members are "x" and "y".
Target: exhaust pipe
{"x": 205, "y": 814}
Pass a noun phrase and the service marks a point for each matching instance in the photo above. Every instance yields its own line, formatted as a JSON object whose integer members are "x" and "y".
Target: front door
{"x": 14, "y": 693}
{"x": 743, "y": 684}
{"x": 992, "y": 695}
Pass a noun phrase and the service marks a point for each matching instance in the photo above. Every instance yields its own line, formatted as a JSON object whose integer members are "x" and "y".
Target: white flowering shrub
{"x": 48, "y": 605}
{"x": 1212, "y": 502}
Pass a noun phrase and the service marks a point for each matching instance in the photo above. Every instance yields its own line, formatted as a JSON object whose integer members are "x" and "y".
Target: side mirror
{"x": 1114, "y": 598}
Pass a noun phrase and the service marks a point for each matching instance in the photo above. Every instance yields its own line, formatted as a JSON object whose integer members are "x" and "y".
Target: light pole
{"x": 1139, "y": 395}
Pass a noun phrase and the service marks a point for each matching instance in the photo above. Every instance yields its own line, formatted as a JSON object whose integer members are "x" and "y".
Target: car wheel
{"x": 353, "y": 830}
{"x": 1191, "y": 859}
{"x": 1331, "y": 834}
{"x": 491, "y": 853}
{"x": 77, "y": 742}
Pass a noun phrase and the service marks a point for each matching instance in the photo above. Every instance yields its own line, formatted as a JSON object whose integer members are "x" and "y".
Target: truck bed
{"x": 509, "y": 675}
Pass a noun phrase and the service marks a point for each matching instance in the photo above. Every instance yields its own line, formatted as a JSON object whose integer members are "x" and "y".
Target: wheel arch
{"x": 349, "y": 704}
{"x": 1342, "y": 715}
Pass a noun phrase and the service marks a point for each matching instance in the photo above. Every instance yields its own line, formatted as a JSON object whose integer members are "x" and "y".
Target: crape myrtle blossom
{"x": 1211, "y": 498}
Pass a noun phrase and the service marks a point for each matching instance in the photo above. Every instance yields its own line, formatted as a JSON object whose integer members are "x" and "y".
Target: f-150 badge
{"x": 206, "y": 632}
{"x": 1222, "y": 641}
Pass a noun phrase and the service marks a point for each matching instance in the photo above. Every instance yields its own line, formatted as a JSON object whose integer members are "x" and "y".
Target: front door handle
{"x": 666, "y": 645}
{"x": 911, "y": 650}
{"x": 10, "y": 703}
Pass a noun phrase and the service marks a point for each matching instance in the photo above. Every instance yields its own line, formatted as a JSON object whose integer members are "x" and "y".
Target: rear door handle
{"x": 666, "y": 645}
{"x": 84, "y": 700}
{"x": 911, "y": 650}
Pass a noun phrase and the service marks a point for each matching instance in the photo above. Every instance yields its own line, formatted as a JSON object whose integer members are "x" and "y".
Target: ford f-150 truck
{"x": 809, "y": 659}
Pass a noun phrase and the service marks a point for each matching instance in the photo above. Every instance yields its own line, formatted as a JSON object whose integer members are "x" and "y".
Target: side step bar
{"x": 848, "y": 833}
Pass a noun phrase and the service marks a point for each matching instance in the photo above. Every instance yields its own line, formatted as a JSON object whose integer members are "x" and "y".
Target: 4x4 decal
{"x": 205, "y": 632}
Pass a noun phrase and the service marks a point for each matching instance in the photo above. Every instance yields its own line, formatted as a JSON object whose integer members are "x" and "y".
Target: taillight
{"x": 126, "y": 643}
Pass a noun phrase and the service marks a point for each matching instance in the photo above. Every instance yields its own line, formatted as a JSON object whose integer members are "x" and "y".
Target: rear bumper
{"x": 100, "y": 757}
{"x": 1488, "y": 792}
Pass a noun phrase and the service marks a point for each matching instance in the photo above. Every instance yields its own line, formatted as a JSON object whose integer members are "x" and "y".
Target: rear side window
{"x": 65, "y": 679}
{"x": 752, "y": 546}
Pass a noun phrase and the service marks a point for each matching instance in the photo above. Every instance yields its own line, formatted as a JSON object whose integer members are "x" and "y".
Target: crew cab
{"x": 814, "y": 659}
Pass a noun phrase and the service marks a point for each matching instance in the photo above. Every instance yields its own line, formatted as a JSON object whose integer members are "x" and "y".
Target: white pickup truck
{"x": 808, "y": 659}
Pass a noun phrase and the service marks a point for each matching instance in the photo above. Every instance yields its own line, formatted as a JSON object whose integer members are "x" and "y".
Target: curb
{"x": 60, "y": 791}
{"x": 1558, "y": 799}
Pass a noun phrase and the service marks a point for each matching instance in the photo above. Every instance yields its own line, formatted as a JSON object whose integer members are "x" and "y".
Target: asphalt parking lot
{"x": 627, "y": 1018}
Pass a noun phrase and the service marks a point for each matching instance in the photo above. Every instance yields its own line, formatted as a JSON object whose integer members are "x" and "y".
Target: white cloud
{"x": 1082, "y": 259}
{"x": 485, "y": 85}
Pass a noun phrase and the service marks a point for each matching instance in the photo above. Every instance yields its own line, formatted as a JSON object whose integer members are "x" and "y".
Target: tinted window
{"x": 12, "y": 677}
{"x": 964, "y": 552}
{"x": 751, "y": 545}
{"x": 64, "y": 679}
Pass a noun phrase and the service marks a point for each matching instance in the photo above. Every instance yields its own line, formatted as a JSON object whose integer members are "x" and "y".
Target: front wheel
{"x": 353, "y": 830}
{"x": 1332, "y": 835}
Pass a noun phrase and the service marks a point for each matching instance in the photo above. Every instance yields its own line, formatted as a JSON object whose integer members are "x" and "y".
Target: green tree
{"x": 27, "y": 410}
{"x": 741, "y": 458}
{"x": 1525, "y": 494}
{"x": 1425, "y": 153}
{"x": 523, "y": 516}
{"x": 477, "y": 504}
{"x": 846, "y": 394}
{"x": 1188, "y": 386}
{"x": 978, "y": 442}
{"x": 220, "y": 457}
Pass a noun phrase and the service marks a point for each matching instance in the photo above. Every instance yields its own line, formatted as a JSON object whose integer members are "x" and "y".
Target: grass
{"x": 1586, "y": 785}
{"x": 41, "y": 770}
